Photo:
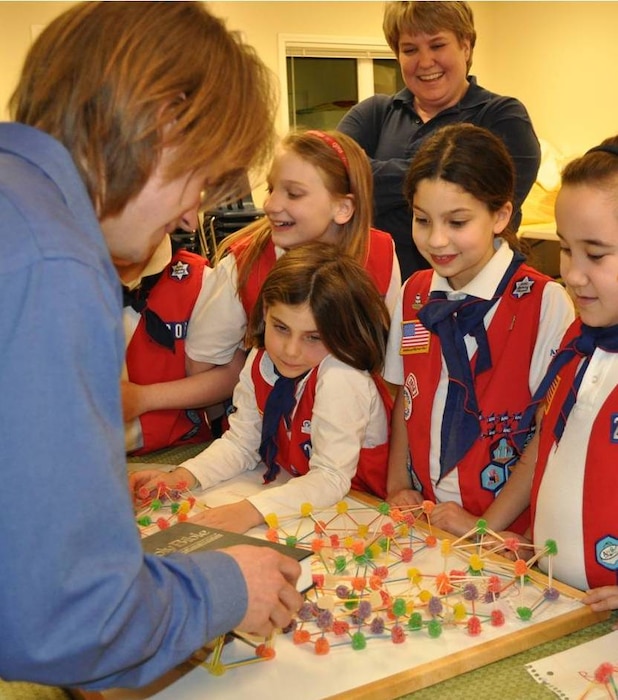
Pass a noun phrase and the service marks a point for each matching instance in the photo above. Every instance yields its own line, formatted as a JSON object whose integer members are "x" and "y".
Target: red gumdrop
{"x": 386, "y": 598}
{"x": 143, "y": 492}
{"x": 409, "y": 519}
{"x": 474, "y": 626}
{"x": 398, "y": 636}
{"x": 163, "y": 524}
{"x": 457, "y": 574}
{"x": 511, "y": 544}
{"x": 318, "y": 580}
{"x": 497, "y": 618}
{"x": 340, "y": 627}
{"x": 322, "y": 646}
{"x": 494, "y": 585}
{"x": 381, "y": 571}
{"x": 191, "y": 500}
{"x": 182, "y": 485}
{"x": 265, "y": 652}
{"x": 182, "y": 517}
{"x": 407, "y": 554}
{"x": 320, "y": 527}
{"x": 604, "y": 673}
{"x": 334, "y": 541}
{"x": 431, "y": 540}
{"x": 388, "y": 530}
{"x": 301, "y": 637}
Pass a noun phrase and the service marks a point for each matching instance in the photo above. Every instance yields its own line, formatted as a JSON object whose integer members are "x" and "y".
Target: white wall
{"x": 559, "y": 58}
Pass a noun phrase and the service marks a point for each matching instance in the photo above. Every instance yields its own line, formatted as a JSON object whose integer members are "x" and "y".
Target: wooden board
{"x": 382, "y": 670}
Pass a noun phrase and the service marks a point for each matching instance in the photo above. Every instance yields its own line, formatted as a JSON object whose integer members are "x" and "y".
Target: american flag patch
{"x": 414, "y": 338}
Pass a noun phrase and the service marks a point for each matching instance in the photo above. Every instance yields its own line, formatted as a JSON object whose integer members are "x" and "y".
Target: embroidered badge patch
{"x": 415, "y": 338}
{"x": 495, "y": 474}
{"x": 179, "y": 270}
{"x": 522, "y": 287}
{"x": 410, "y": 392}
{"x": 606, "y": 550}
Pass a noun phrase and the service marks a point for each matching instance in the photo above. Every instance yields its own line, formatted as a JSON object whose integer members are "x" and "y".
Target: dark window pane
{"x": 320, "y": 90}
{"x": 387, "y": 76}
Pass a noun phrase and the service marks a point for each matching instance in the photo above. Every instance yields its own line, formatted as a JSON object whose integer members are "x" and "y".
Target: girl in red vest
{"x": 472, "y": 338}
{"x": 574, "y": 495}
{"x": 319, "y": 189}
{"x": 309, "y": 401}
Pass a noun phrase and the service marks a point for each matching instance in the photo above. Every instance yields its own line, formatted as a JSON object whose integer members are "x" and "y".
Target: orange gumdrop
{"x": 265, "y": 652}
{"x": 521, "y": 568}
{"x": 301, "y": 637}
{"x": 322, "y": 646}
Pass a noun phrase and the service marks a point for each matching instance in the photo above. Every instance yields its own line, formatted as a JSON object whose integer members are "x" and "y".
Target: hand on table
{"x": 150, "y": 478}
{"x": 233, "y": 517}
{"x": 271, "y": 586}
{"x": 405, "y": 497}
{"x": 603, "y": 598}
{"x": 451, "y": 517}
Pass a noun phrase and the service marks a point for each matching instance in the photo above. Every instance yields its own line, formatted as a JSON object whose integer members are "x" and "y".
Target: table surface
{"x": 506, "y": 679}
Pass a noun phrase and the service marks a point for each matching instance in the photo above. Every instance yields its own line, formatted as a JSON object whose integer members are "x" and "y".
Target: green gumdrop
{"x": 416, "y": 621}
{"x": 434, "y": 628}
{"x": 146, "y": 520}
{"x": 291, "y": 540}
{"x": 481, "y": 526}
{"x": 551, "y": 547}
{"x": 383, "y": 543}
{"x": 340, "y": 563}
{"x": 175, "y": 507}
{"x": 156, "y": 504}
{"x": 361, "y": 559}
{"x": 399, "y": 607}
{"x": 384, "y": 508}
{"x": 524, "y": 614}
{"x": 352, "y": 602}
{"x": 358, "y": 641}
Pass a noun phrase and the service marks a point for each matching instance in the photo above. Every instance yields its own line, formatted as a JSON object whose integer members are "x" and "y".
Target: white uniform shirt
{"x": 348, "y": 414}
{"x": 560, "y": 498}
{"x": 556, "y": 316}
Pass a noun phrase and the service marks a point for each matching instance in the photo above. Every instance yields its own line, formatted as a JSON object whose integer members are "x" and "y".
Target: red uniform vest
{"x": 379, "y": 265}
{"x": 172, "y": 298}
{"x": 294, "y": 450}
{"x": 600, "y": 496}
{"x": 502, "y": 392}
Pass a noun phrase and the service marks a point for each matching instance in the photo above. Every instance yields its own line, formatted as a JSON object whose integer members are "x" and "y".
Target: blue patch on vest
{"x": 606, "y": 551}
{"x": 494, "y": 475}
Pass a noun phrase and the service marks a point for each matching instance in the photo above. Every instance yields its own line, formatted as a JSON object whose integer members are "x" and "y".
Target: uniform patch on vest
{"x": 178, "y": 328}
{"x": 606, "y": 550}
{"x": 494, "y": 475}
{"x": 179, "y": 270}
{"x": 306, "y": 427}
{"x": 613, "y": 430}
{"x": 410, "y": 392}
{"x": 415, "y": 338}
{"x": 522, "y": 287}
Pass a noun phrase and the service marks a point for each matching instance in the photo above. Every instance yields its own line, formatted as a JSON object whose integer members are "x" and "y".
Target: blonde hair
{"x": 429, "y": 17}
{"x": 115, "y": 82}
{"x": 340, "y": 180}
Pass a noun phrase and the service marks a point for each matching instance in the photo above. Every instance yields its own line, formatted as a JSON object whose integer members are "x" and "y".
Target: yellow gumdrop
{"x": 363, "y": 530}
{"x": 272, "y": 520}
{"x": 409, "y": 607}
{"x": 375, "y": 550}
{"x": 306, "y": 509}
{"x": 476, "y": 563}
{"x": 348, "y": 541}
{"x": 415, "y": 575}
{"x": 404, "y": 530}
{"x": 425, "y": 596}
{"x": 342, "y": 507}
{"x": 459, "y": 612}
{"x": 184, "y": 507}
{"x": 445, "y": 547}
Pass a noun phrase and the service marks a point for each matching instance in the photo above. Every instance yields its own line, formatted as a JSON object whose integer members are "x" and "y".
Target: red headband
{"x": 335, "y": 145}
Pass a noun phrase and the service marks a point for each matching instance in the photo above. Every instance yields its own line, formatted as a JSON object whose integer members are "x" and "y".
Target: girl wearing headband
{"x": 319, "y": 189}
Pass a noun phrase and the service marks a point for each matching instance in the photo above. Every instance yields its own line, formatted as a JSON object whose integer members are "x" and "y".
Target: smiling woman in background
{"x": 434, "y": 44}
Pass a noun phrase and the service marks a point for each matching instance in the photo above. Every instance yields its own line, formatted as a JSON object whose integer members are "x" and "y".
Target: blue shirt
{"x": 79, "y": 603}
{"x": 391, "y": 132}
